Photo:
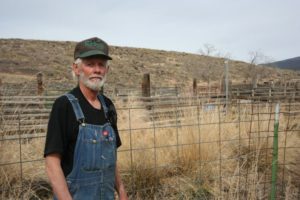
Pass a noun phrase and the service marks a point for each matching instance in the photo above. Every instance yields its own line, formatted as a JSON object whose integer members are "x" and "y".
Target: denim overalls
{"x": 93, "y": 173}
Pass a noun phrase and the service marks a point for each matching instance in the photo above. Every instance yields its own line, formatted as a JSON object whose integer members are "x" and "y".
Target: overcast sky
{"x": 234, "y": 27}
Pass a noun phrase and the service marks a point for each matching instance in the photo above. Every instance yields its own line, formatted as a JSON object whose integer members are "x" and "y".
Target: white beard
{"x": 93, "y": 85}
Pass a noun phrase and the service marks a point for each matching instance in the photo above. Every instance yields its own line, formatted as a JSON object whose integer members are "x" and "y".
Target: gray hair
{"x": 77, "y": 62}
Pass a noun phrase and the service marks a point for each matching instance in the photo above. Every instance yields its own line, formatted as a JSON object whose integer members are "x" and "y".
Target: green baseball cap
{"x": 92, "y": 47}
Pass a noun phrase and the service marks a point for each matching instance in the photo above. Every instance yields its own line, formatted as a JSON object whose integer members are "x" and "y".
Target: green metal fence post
{"x": 275, "y": 153}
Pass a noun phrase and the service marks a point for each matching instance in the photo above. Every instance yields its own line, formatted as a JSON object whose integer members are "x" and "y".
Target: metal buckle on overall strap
{"x": 81, "y": 122}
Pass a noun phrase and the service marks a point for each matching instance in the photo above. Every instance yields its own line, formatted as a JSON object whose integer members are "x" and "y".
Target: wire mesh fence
{"x": 172, "y": 148}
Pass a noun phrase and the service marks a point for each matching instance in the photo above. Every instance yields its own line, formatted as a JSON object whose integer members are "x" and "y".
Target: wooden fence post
{"x": 40, "y": 87}
{"x": 146, "y": 85}
{"x": 222, "y": 85}
{"x": 297, "y": 91}
{"x": 229, "y": 89}
{"x": 254, "y": 82}
{"x": 0, "y": 87}
{"x": 209, "y": 87}
{"x": 0, "y": 92}
{"x": 285, "y": 86}
{"x": 270, "y": 94}
{"x": 294, "y": 95}
{"x": 272, "y": 84}
{"x": 116, "y": 91}
{"x": 176, "y": 91}
{"x": 195, "y": 87}
{"x": 146, "y": 89}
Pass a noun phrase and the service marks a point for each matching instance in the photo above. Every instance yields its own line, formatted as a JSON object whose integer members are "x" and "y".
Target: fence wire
{"x": 174, "y": 148}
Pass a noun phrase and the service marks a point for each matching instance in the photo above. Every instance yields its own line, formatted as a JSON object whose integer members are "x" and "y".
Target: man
{"x": 82, "y": 138}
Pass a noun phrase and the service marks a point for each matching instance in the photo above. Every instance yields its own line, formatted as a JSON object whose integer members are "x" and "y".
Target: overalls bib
{"x": 94, "y": 162}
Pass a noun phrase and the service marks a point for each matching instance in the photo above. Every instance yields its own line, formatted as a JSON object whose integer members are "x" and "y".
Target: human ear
{"x": 76, "y": 69}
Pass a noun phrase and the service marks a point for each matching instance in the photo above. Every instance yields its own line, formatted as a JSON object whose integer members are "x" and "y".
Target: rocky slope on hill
{"x": 20, "y": 60}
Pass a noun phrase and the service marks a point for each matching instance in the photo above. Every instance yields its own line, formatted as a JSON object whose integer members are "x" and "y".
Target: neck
{"x": 88, "y": 93}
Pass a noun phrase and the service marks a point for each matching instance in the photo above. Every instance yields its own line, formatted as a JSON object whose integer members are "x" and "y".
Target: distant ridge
{"x": 292, "y": 63}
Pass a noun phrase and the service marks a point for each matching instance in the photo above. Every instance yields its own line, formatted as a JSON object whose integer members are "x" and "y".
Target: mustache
{"x": 93, "y": 76}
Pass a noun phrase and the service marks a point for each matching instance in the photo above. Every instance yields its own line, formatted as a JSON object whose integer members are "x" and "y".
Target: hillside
{"x": 20, "y": 60}
{"x": 292, "y": 63}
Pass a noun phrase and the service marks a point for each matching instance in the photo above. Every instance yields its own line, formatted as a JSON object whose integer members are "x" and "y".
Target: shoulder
{"x": 61, "y": 101}
{"x": 109, "y": 102}
{"x": 60, "y": 105}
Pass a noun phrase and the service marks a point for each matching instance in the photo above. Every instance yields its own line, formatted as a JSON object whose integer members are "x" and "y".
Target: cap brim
{"x": 94, "y": 53}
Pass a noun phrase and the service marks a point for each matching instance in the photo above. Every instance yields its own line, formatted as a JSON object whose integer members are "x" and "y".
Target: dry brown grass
{"x": 25, "y": 178}
{"x": 207, "y": 155}
{"x": 242, "y": 140}
{"x": 16, "y": 78}
{"x": 171, "y": 68}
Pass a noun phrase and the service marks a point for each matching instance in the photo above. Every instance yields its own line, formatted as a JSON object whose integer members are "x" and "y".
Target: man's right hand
{"x": 56, "y": 177}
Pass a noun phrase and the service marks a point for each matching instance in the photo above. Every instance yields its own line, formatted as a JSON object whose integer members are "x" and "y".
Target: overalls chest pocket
{"x": 99, "y": 149}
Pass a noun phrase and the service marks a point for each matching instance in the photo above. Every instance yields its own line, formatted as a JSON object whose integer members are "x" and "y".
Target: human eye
{"x": 102, "y": 64}
{"x": 89, "y": 64}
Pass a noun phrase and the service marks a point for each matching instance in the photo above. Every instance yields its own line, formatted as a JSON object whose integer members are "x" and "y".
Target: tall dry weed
{"x": 224, "y": 155}
{"x": 200, "y": 151}
{"x": 22, "y": 174}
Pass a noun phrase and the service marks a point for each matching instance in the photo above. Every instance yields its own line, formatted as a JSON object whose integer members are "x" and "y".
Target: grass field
{"x": 180, "y": 152}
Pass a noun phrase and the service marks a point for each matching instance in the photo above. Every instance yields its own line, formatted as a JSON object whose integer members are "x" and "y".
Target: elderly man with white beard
{"x": 82, "y": 138}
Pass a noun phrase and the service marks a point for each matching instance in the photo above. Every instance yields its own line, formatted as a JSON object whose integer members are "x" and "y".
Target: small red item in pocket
{"x": 105, "y": 133}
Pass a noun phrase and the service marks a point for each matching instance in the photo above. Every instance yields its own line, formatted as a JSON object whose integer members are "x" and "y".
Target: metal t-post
{"x": 275, "y": 154}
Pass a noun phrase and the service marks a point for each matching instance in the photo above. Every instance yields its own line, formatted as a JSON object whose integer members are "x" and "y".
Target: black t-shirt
{"x": 63, "y": 126}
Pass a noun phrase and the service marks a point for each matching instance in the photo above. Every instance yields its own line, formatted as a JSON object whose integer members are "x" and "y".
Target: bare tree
{"x": 255, "y": 57}
{"x": 207, "y": 49}
{"x": 211, "y": 50}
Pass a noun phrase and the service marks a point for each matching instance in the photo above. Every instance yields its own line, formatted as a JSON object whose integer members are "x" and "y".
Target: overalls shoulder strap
{"x": 76, "y": 107}
{"x": 103, "y": 104}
